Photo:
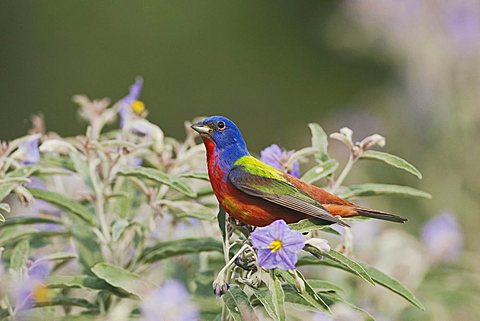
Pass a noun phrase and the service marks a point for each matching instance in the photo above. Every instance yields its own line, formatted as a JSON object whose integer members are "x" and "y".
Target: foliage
{"x": 116, "y": 213}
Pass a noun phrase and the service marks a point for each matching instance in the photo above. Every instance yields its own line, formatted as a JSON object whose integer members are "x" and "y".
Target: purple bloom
{"x": 277, "y": 245}
{"x": 278, "y": 158}
{"x": 33, "y": 289}
{"x": 125, "y": 110}
{"x": 443, "y": 238}
{"x": 170, "y": 301}
{"x": 462, "y": 22}
{"x": 28, "y": 150}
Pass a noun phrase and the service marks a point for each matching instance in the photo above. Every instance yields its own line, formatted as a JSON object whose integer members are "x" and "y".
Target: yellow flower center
{"x": 41, "y": 293}
{"x": 275, "y": 245}
{"x": 138, "y": 107}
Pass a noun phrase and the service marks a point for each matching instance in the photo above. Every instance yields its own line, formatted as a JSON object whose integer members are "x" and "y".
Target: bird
{"x": 258, "y": 194}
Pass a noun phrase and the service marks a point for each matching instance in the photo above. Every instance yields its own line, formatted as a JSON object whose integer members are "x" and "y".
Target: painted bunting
{"x": 258, "y": 194}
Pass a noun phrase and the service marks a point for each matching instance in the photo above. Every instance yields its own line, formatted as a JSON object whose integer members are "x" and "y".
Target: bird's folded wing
{"x": 280, "y": 192}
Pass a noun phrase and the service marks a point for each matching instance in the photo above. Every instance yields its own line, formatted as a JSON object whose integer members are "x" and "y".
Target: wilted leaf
{"x": 392, "y": 160}
{"x": 64, "y": 203}
{"x": 318, "y": 172}
{"x": 238, "y": 305}
{"x": 166, "y": 249}
{"x": 362, "y": 190}
{"x": 123, "y": 279}
{"x": 312, "y": 224}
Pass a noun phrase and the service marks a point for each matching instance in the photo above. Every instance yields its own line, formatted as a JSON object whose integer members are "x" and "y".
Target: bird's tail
{"x": 366, "y": 212}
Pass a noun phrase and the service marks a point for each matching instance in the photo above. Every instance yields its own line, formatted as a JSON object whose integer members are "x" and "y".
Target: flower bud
{"x": 56, "y": 146}
{"x": 26, "y": 198}
{"x": 345, "y": 136}
{"x": 320, "y": 244}
{"x": 370, "y": 141}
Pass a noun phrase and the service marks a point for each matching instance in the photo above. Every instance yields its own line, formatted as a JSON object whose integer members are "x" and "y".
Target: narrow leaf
{"x": 341, "y": 259}
{"x": 278, "y": 297}
{"x": 309, "y": 295}
{"x": 309, "y": 224}
{"x": 265, "y": 297}
{"x": 238, "y": 305}
{"x": 221, "y": 217}
{"x": 319, "y": 142}
{"x": 392, "y": 160}
{"x": 60, "y": 256}
{"x": 157, "y": 176}
{"x": 361, "y": 190}
{"x": 27, "y": 220}
{"x": 64, "y": 203}
{"x": 166, "y": 249}
{"x": 19, "y": 255}
{"x": 123, "y": 279}
{"x": 67, "y": 301}
{"x": 83, "y": 282}
{"x": 320, "y": 171}
{"x": 202, "y": 176}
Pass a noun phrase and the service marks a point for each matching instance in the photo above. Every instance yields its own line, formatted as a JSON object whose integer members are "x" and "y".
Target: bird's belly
{"x": 253, "y": 210}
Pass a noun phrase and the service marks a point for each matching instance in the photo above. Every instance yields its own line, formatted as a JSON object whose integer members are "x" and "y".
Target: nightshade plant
{"x": 103, "y": 225}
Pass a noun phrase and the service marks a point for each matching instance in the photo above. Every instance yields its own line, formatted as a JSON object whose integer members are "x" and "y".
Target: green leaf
{"x": 6, "y": 189}
{"x": 221, "y": 217}
{"x": 118, "y": 228}
{"x": 83, "y": 282}
{"x": 123, "y": 279}
{"x": 309, "y": 295}
{"x": 341, "y": 259}
{"x": 238, "y": 305}
{"x": 309, "y": 224}
{"x": 324, "y": 286}
{"x": 13, "y": 234}
{"x": 19, "y": 255}
{"x": 27, "y": 220}
{"x": 392, "y": 284}
{"x": 64, "y": 203}
{"x": 278, "y": 297}
{"x": 392, "y": 160}
{"x": 196, "y": 175}
{"x": 67, "y": 301}
{"x": 60, "y": 256}
{"x": 377, "y": 276}
{"x": 86, "y": 244}
{"x": 24, "y": 172}
{"x": 159, "y": 177}
{"x": 265, "y": 297}
{"x": 320, "y": 171}
{"x": 166, "y": 249}
{"x": 361, "y": 190}
{"x": 319, "y": 142}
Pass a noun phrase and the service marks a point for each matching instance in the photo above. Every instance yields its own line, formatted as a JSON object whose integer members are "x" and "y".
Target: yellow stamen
{"x": 41, "y": 293}
{"x": 138, "y": 107}
{"x": 275, "y": 245}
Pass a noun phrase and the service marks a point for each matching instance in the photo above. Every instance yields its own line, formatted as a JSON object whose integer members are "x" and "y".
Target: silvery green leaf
{"x": 19, "y": 255}
{"x": 309, "y": 224}
{"x": 64, "y": 203}
{"x": 264, "y": 295}
{"x": 196, "y": 175}
{"x": 320, "y": 171}
{"x": 166, "y": 249}
{"x": 28, "y": 220}
{"x": 319, "y": 142}
{"x": 159, "y": 177}
{"x": 60, "y": 256}
{"x": 324, "y": 286}
{"x": 82, "y": 281}
{"x": 309, "y": 295}
{"x": 238, "y": 305}
{"x": 67, "y": 301}
{"x": 118, "y": 228}
{"x": 371, "y": 189}
{"x": 123, "y": 279}
{"x": 344, "y": 261}
{"x": 392, "y": 160}
{"x": 377, "y": 276}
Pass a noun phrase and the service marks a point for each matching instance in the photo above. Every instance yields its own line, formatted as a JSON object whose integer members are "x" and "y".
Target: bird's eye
{"x": 221, "y": 125}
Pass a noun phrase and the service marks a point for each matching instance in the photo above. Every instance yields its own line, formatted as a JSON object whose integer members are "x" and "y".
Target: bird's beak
{"x": 201, "y": 128}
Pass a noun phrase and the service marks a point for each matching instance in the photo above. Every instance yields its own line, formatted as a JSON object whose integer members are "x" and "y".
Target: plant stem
{"x": 344, "y": 173}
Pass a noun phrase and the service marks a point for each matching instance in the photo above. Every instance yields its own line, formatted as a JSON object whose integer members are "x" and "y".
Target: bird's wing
{"x": 270, "y": 185}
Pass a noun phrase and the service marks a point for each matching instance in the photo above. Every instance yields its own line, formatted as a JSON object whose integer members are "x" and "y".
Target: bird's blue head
{"x": 225, "y": 134}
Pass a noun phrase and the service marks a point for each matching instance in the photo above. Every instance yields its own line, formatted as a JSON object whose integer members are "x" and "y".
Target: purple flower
{"x": 443, "y": 238}
{"x": 277, "y": 245}
{"x": 130, "y": 103}
{"x": 28, "y": 150}
{"x": 170, "y": 301}
{"x": 462, "y": 23}
{"x": 278, "y": 158}
{"x": 33, "y": 289}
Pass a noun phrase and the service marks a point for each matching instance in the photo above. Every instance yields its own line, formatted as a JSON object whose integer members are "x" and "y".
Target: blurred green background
{"x": 406, "y": 69}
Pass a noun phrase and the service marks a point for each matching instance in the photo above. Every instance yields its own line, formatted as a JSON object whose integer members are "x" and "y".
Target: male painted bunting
{"x": 258, "y": 194}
